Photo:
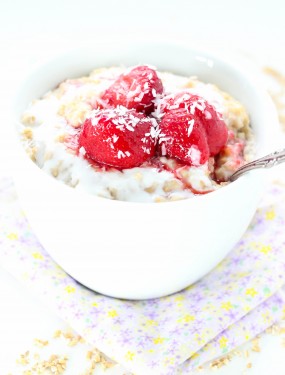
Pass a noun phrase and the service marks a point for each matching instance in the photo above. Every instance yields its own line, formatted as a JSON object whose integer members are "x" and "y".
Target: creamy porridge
{"x": 135, "y": 134}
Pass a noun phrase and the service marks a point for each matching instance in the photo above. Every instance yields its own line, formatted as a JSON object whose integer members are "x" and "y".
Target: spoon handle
{"x": 268, "y": 161}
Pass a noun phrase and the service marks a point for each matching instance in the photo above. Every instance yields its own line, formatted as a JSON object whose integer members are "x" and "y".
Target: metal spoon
{"x": 267, "y": 161}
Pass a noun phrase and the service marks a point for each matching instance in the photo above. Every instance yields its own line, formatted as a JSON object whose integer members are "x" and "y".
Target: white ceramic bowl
{"x": 141, "y": 250}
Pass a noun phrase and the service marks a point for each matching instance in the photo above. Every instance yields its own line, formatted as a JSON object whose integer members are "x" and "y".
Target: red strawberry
{"x": 182, "y": 135}
{"x": 135, "y": 89}
{"x": 118, "y": 137}
{"x": 216, "y": 129}
{"x": 182, "y": 99}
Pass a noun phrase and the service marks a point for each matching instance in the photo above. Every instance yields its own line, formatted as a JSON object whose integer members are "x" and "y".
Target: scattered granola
{"x": 24, "y": 358}
{"x": 40, "y": 343}
{"x": 45, "y": 362}
{"x": 218, "y": 363}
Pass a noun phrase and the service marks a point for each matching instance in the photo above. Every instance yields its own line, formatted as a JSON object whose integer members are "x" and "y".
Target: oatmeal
{"x": 137, "y": 134}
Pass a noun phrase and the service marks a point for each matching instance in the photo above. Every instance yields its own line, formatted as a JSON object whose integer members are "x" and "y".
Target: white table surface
{"x": 32, "y": 30}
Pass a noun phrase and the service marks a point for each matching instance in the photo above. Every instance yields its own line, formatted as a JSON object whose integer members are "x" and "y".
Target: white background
{"x": 31, "y": 31}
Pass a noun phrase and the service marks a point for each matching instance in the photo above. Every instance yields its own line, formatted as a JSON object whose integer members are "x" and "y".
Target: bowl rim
{"x": 244, "y": 69}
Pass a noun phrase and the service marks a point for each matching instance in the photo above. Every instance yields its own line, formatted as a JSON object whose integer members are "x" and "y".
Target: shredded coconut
{"x": 190, "y": 127}
{"x": 194, "y": 155}
{"x": 82, "y": 151}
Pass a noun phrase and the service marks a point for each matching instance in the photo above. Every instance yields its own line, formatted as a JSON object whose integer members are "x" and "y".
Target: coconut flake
{"x": 121, "y": 154}
{"x": 199, "y": 104}
{"x": 146, "y": 86}
{"x": 163, "y": 150}
{"x": 139, "y": 97}
{"x": 146, "y": 150}
{"x": 120, "y": 127}
{"x": 207, "y": 115}
{"x": 130, "y": 128}
{"x": 134, "y": 119}
{"x": 115, "y": 138}
{"x": 185, "y": 97}
{"x": 164, "y": 139}
{"x": 133, "y": 93}
{"x": 190, "y": 127}
{"x": 82, "y": 151}
{"x": 195, "y": 155}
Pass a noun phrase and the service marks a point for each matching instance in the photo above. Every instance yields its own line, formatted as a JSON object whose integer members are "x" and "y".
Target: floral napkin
{"x": 172, "y": 335}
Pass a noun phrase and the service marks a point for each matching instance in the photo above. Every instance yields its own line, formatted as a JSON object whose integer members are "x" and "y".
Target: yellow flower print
{"x": 112, "y": 313}
{"x": 265, "y": 249}
{"x": 94, "y": 304}
{"x": 200, "y": 338}
{"x": 223, "y": 342}
{"x": 186, "y": 318}
{"x": 267, "y": 318}
{"x": 151, "y": 323}
{"x": 69, "y": 289}
{"x": 179, "y": 298}
{"x": 247, "y": 336}
{"x": 38, "y": 256}
{"x": 12, "y": 236}
{"x": 227, "y": 306}
{"x": 169, "y": 361}
{"x": 130, "y": 356}
{"x": 158, "y": 340}
{"x": 270, "y": 215}
{"x": 251, "y": 292}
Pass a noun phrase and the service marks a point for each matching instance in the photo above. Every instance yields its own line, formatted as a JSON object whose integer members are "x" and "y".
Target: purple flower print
{"x": 219, "y": 311}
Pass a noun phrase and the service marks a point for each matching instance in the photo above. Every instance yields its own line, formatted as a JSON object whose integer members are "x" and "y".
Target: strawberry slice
{"x": 215, "y": 127}
{"x": 136, "y": 89}
{"x": 118, "y": 137}
{"x": 183, "y": 136}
